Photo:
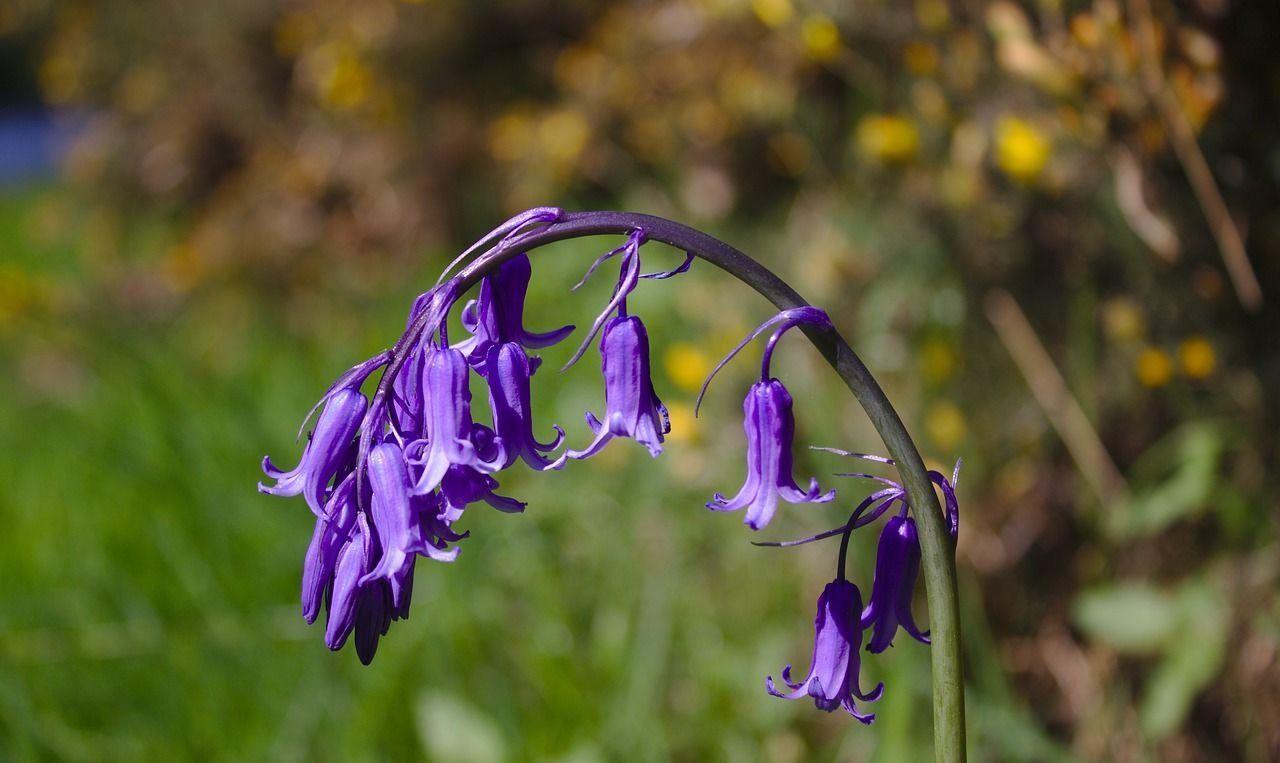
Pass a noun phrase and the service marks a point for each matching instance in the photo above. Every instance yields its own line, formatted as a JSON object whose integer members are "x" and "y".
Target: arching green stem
{"x": 937, "y": 547}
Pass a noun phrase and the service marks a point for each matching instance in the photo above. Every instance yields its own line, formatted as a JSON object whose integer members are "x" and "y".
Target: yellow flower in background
{"x": 920, "y": 58}
{"x": 687, "y": 365}
{"x": 685, "y": 427}
{"x": 937, "y": 360}
{"x": 773, "y": 13}
{"x": 933, "y": 15}
{"x": 1022, "y": 151}
{"x": 888, "y": 138}
{"x": 345, "y": 79}
{"x": 563, "y": 135}
{"x": 1122, "y": 320}
{"x": 509, "y": 135}
{"x": 1197, "y": 357}
{"x": 1154, "y": 368}
{"x": 821, "y": 37}
{"x": 945, "y": 424}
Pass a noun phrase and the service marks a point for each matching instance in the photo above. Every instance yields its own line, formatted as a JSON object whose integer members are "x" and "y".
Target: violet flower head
{"x": 332, "y": 532}
{"x": 396, "y": 521}
{"x": 770, "y": 429}
{"x": 446, "y": 421}
{"x": 330, "y": 447}
{"x": 897, "y": 566}
{"x": 463, "y": 485}
{"x": 354, "y": 560}
{"x": 632, "y": 408}
{"x": 897, "y": 554}
{"x": 497, "y": 315}
{"x": 833, "y": 670}
{"x": 508, "y": 369}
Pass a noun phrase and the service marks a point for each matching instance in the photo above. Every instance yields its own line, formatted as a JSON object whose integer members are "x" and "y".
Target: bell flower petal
{"x": 632, "y": 407}
{"x": 446, "y": 421}
{"x": 509, "y": 370}
{"x": 332, "y": 532}
{"x": 330, "y": 446}
{"x": 833, "y": 670}
{"x": 497, "y": 315}
{"x": 897, "y": 566}
{"x": 770, "y": 429}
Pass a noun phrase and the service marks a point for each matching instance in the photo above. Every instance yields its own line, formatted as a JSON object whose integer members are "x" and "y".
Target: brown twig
{"x": 1050, "y": 391}
{"x": 1192, "y": 159}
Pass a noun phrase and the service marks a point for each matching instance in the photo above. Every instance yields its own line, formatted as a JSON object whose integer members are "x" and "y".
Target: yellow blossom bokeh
{"x": 1021, "y": 150}
{"x": 887, "y": 138}
{"x": 1197, "y": 358}
{"x": 1153, "y": 367}
{"x": 687, "y": 365}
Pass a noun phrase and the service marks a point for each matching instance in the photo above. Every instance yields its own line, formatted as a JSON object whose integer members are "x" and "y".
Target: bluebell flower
{"x": 463, "y": 485}
{"x": 897, "y": 566}
{"x": 897, "y": 553}
{"x": 445, "y": 439}
{"x": 497, "y": 316}
{"x": 332, "y": 444}
{"x": 508, "y": 372}
{"x": 631, "y": 406}
{"x": 833, "y": 670}
{"x": 332, "y": 531}
{"x": 770, "y": 428}
{"x": 398, "y": 522}
{"x": 355, "y": 560}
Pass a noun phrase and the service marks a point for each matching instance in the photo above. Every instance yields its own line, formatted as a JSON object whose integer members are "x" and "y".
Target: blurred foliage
{"x": 259, "y": 188}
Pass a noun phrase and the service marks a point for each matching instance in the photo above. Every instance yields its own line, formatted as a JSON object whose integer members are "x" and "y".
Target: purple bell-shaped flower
{"x": 508, "y": 370}
{"x": 833, "y": 671}
{"x": 770, "y": 427}
{"x": 897, "y": 565}
{"x": 446, "y": 421}
{"x": 632, "y": 408}
{"x": 497, "y": 316}
{"x": 330, "y": 447}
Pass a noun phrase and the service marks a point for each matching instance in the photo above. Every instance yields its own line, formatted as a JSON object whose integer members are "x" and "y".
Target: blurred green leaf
{"x": 453, "y": 731}
{"x": 1194, "y": 658}
{"x": 1129, "y": 617}
{"x": 1191, "y": 454}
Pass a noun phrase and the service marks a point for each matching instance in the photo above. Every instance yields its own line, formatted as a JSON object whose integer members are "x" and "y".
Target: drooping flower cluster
{"x": 389, "y": 476}
{"x": 842, "y": 618}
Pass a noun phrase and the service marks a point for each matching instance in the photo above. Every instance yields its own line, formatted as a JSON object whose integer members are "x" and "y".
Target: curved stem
{"x": 844, "y": 551}
{"x": 937, "y": 547}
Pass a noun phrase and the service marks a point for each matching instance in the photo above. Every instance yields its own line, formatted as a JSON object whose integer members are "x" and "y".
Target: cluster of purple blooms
{"x": 388, "y": 477}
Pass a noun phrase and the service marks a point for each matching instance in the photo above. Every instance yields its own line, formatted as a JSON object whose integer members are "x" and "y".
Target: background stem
{"x": 938, "y": 550}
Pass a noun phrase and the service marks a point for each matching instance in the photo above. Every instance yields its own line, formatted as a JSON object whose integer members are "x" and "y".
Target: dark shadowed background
{"x": 1048, "y": 227}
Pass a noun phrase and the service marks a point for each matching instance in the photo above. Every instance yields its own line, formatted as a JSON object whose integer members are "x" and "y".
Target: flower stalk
{"x": 936, "y": 542}
{"x": 406, "y": 464}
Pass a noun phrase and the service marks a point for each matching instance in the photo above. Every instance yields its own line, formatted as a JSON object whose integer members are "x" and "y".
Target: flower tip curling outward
{"x": 632, "y": 407}
{"x": 497, "y": 316}
{"x": 328, "y": 449}
{"x": 509, "y": 370}
{"x": 833, "y": 680}
{"x": 770, "y": 428}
